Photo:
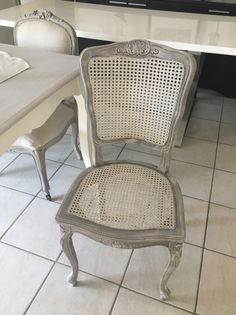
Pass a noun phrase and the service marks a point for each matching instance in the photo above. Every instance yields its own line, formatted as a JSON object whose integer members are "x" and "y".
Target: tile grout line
{"x": 208, "y": 212}
{"x": 9, "y": 164}
{"x": 27, "y": 251}
{"x": 157, "y": 300}
{"x": 41, "y": 285}
{"x": 16, "y": 219}
{"x": 120, "y": 285}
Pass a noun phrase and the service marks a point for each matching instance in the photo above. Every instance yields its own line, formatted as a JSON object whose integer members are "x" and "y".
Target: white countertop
{"x": 193, "y": 32}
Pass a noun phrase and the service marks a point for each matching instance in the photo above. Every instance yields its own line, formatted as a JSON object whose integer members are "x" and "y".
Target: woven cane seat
{"x": 125, "y": 196}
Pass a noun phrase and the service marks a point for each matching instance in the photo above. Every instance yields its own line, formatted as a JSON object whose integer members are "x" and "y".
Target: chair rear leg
{"x": 69, "y": 250}
{"x": 74, "y": 139}
{"x": 175, "y": 250}
{"x": 39, "y": 158}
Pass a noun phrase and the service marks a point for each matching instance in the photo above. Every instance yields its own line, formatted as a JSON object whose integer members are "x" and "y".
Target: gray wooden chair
{"x": 43, "y": 30}
{"x": 134, "y": 91}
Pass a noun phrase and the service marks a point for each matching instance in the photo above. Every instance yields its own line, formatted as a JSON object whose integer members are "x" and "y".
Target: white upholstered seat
{"x": 43, "y": 30}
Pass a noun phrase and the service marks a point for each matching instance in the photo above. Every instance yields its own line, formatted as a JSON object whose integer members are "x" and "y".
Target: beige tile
{"x": 72, "y": 160}
{"x": 226, "y": 158}
{"x": 61, "y": 182}
{"x": 227, "y": 134}
{"x": 209, "y": 96}
{"x": 22, "y": 174}
{"x": 146, "y": 269}
{"x": 21, "y": 275}
{"x": 142, "y": 148}
{"x": 58, "y": 297}
{"x": 195, "y": 217}
{"x": 6, "y": 159}
{"x": 12, "y": 203}
{"x": 61, "y": 150}
{"x": 129, "y": 302}
{"x": 196, "y": 151}
{"x": 139, "y": 156}
{"x": 100, "y": 260}
{"x": 229, "y": 114}
{"x": 207, "y": 111}
{"x": 36, "y": 230}
{"x": 110, "y": 152}
{"x": 203, "y": 129}
{"x": 223, "y": 190}
{"x": 221, "y": 231}
{"x": 217, "y": 286}
{"x": 229, "y": 101}
{"x": 194, "y": 180}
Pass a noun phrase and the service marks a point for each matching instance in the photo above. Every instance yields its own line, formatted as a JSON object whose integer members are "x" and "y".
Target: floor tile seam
{"x": 9, "y": 164}
{"x": 227, "y": 144}
{"x": 121, "y": 282}
{"x": 221, "y": 205}
{"x": 43, "y": 198}
{"x": 88, "y": 273}
{"x": 26, "y": 251}
{"x": 64, "y": 160}
{"x": 207, "y": 217}
{"x": 20, "y": 191}
{"x": 172, "y": 159}
{"x": 195, "y": 198}
{"x": 220, "y": 253}
{"x": 41, "y": 285}
{"x": 49, "y": 178}
{"x": 206, "y": 103}
{"x": 122, "y": 149}
{"x": 17, "y": 218}
{"x": 226, "y": 171}
{"x": 199, "y": 138}
{"x": 156, "y": 299}
{"x": 196, "y": 117}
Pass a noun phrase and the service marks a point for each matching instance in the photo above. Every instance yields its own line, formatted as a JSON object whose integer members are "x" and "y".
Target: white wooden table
{"x": 29, "y": 98}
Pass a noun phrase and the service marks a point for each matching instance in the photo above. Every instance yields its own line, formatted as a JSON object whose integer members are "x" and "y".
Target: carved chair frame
{"x": 172, "y": 239}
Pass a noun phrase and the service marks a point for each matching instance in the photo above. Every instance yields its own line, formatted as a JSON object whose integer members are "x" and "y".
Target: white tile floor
{"x": 112, "y": 281}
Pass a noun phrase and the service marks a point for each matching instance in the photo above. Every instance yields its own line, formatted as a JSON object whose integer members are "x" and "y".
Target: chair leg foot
{"x": 72, "y": 279}
{"x": 48, "y": 197}
{"x": 175, "y": 250}
{"x": 69, "y": 250}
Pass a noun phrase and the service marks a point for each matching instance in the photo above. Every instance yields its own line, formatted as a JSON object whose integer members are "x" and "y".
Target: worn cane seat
{"x": 125, "y": 196}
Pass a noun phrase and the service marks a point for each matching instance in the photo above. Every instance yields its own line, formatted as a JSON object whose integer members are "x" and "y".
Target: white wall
{"x": 6, "y": 34}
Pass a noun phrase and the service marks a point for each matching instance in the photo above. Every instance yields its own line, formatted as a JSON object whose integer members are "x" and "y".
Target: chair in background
{"x": 43, "y": 30}
{"x": 133, "y": 91}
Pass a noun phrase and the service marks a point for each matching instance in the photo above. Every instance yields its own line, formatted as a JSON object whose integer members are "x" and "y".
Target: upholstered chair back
{"x": 43, "y": 30}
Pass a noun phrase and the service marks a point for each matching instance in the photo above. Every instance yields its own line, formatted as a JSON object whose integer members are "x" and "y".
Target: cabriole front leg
{"x": 69, "y": 250}
{"x": 175, "y": 250}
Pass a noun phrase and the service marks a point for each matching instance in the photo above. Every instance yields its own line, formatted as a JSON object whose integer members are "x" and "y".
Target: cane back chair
{"x": 133, "y": 91}
{"x": 43, "y": 30}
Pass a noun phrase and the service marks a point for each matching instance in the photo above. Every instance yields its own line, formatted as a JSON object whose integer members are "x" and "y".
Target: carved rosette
{"x": 137, "y": 48}
{"x": 44, "y": 15}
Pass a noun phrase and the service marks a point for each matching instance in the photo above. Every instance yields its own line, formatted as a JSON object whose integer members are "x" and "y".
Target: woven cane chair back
{"x": 136, "y": 90}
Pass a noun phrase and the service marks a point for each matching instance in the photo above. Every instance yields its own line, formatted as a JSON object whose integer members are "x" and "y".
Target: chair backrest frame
{"x": 49, "y": 17}
{"x": 138, "y": 50}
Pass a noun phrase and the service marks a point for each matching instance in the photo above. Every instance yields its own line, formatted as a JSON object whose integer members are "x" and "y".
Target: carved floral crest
{"x": 44, "y": 15}
{"x": 137, "y": 48}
